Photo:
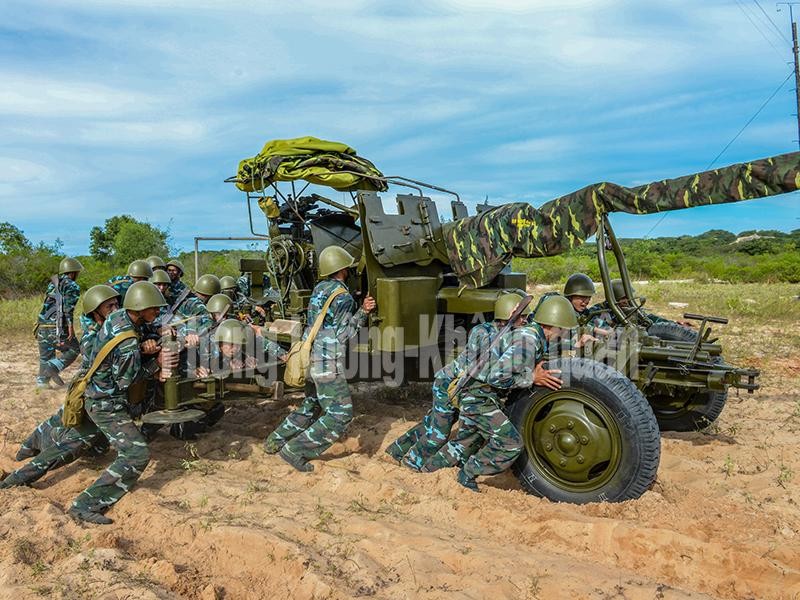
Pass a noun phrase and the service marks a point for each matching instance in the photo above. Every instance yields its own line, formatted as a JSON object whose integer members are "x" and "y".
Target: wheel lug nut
{"x": 563, "y": 462}
{"x": 570, "y": 424}
{"x": 548, "y": 446}
{"x": 580, "y": 459}
{"x": 584, "y": 440}
{"x": 552, "y": 428}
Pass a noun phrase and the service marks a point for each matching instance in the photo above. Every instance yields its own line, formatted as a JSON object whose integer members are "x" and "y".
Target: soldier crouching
{"x": 323, "y": 416}
{"x": 107, "y": 403}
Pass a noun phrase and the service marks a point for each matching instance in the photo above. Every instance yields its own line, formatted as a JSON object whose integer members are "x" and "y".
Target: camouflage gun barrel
{"x": 479, "y": 247}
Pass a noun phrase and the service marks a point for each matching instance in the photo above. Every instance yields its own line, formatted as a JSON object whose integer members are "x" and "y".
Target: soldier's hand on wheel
{"x": 369, "y": 304}
{"x": 603, "y": 332}
{"x": 150, "y": 347}
{"x": 585, "y": 339}
{"x": 546, "y": 377}
{"x": 260, "y": 310}
{"x": 192, "y": 340}
{"x": 202, "y": 372}
{"x": 256, "y": 329}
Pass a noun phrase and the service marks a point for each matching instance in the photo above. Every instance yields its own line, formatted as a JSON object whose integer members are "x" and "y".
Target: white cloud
{"x": 42, "y": 96}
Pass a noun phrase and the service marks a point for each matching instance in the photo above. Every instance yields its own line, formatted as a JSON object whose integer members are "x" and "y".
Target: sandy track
{"x": 220, "y": 519}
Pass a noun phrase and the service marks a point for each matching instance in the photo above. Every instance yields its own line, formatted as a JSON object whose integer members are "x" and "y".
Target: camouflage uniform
{"x": 175, "y": 289}
{"x": 302, "y": 434}
{"x": 510, "y": 365}
{"x": 421, "y": 442}
{"x": 107, "y": 407}
{"x": 243, "y": 286}
{"x": 53, "y": 444}
{"x": 46, "y": 336}
{"x": 479, "y": 247}
{"x": 121, "y": 283}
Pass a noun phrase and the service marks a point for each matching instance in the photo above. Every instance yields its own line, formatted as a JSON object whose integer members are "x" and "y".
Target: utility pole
{"x": 796, "y": 62}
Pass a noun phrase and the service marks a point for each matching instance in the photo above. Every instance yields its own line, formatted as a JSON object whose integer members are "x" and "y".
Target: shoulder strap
{"x": 106, "y": 350}
{"x": 321, "y": 316}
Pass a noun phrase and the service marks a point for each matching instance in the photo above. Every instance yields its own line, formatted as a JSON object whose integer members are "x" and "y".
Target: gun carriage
{"x": 595, "y": 439}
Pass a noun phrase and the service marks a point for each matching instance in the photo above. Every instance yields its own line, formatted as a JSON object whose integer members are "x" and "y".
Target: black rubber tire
{"x": 707, "y": 405}
{"x": 611, "y": 400}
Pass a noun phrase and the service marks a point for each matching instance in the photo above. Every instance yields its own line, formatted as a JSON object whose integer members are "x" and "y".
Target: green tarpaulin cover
{"x": 479, "y": 247}
{"x": 321, "y": 162}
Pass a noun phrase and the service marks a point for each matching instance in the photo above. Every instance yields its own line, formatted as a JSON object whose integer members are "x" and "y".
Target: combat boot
{"x": 52, "y": 373}
{"x": 298, "y": 462}
{"x": 467, "y": 481}
{"x": 88, "y": 516}
{"x": 393, "y": 451}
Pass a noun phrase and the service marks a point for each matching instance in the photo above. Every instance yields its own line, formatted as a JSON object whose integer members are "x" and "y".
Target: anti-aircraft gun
{"x": 595, "y": 439}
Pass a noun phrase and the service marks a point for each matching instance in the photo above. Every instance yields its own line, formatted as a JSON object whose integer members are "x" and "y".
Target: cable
{"x": 774, "y": 26}
{"x": 728, "y": 145}
{"x": 764, "y": 35}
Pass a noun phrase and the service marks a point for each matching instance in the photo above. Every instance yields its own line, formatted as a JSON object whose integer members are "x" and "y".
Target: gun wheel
{"x": 679, "y": 409}
{"x": 596, "y": 439}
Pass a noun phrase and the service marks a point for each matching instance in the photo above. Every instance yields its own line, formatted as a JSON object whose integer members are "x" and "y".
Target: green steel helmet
{"x": 619, "y": 289}
{"x": 505, "y": 305}
{"x": 556, "y": 311}
{"x": 160, "y": 276}
{"x": 142, "y": 295}
{"x": 579, "y": 284}
{"x": 96, "y": 295}
{"x": 333, "y": 259}
{"x": 178, "y": 264}
{"x": 140, "y": 268}
{"x": 218, "y": 303}
{"x": 227, "y": 283}
{"x": 231, "y": 331}
{"x": 69, "y": 265}
{"x": 156, "y": 262}
{"x": 208, "y": 285}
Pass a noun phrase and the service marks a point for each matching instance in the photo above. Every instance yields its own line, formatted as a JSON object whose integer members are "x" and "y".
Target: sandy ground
{"x": 218, "y": 518}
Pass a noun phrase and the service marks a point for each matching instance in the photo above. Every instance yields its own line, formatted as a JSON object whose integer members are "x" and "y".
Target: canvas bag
{"x": 298, "y": 358}
{"x": 73, "y": 406}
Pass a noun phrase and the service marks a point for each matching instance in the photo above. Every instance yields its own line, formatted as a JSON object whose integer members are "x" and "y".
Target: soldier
{"x": 579, "y": 290}
{"x": 229, "y": 287}
{"x": 54, "y": 329}
{"x": 98, "y": 302}
{"x": 511, "y": 363}
{"x": 156, "y": 263}
{"x": 302, "y": 436}
{"x": 422, "y": 441}
{"x": 231, "y": 340}
{"x": 175, "y": 272}
{"x": 107, "y": 404}
{"x": 138, "y": 270}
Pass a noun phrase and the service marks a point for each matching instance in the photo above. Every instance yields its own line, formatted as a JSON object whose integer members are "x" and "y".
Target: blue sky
{"x": 145, "y": 106}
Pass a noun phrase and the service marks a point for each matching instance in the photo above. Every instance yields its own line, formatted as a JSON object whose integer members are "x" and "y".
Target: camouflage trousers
{"x": 49, "y": 344}
{"x": 481, "y": 419}
{"x": 48, "y": 433}
{"x": 319, "y": 421}
{"x": 111, "y": 417}
{"x": 57, "y": 447}
{"x": 422, "y": 441}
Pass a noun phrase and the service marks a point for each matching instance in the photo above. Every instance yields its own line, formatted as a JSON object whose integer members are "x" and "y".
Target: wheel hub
{"x": 572, "y": 440}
